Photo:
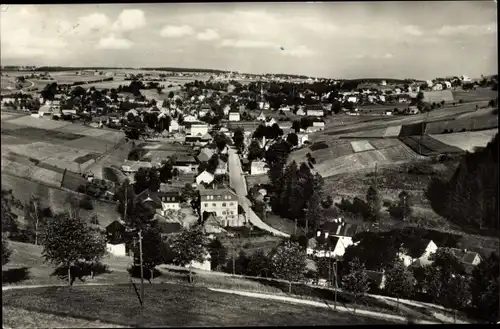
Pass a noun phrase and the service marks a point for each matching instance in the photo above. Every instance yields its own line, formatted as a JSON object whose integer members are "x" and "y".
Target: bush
{"x": 460, "y": 101}
{"x": 86, "y": 203}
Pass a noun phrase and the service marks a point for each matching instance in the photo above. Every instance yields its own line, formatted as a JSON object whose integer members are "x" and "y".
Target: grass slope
{"x": 172, "y": 305}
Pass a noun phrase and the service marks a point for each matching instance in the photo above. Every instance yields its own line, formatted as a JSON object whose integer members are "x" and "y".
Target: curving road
{"x": 238, "y": 183}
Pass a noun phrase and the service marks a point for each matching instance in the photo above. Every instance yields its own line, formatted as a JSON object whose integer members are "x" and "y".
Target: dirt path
{"x": 323, "y": 305}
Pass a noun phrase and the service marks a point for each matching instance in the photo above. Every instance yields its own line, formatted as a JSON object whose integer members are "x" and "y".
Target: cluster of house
{"x": 334, "y": 237}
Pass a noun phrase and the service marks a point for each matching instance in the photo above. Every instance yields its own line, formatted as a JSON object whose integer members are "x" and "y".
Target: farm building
{"x": 204, "y": 177}
{"x": 258, "y": 168}
{"x": 234, "y": 116}
{"x": 335, "y": 245}
{"x": 438, "y": 96}
{"x": 417, "y": 252}
{"x": 196, "y": 128}
{"x": 186, "y": 164}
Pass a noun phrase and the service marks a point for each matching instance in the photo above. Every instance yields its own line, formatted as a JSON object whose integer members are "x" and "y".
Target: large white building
{"x": 197, "y": 128}
{"x": 221, "y": 202}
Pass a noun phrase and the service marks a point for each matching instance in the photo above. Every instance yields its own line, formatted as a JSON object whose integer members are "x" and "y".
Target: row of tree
{"x": 470, "y": 197}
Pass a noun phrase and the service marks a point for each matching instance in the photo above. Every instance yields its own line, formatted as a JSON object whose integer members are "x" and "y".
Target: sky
{"x": 417, "y": 39}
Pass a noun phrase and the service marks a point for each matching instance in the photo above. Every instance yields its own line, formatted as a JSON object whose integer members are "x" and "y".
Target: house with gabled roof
{"x": 261, "y": 117}
{"x": 470, "y": 259}
{"x": 326, "y": 245}
{"x": 417, "y": 251}
{"x": 205, "y": 154}
{"x": 234, "y": 115}
{"x": 204, "y": 177}
{"x": 270, "y": 122}
{"x": 221, "y": 201}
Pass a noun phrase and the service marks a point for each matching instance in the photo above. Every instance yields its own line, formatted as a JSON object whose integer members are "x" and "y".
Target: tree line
{"x": 470, "y": 197}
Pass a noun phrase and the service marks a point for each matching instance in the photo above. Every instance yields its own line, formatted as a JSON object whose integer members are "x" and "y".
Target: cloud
{"x": 374, "y": 56}
{"x": 208, "y": 35}
{"x": 171, "y": 31}
{"x": 95, "y": 22}
{"x": 21, "y": 43}
{"x": 248, "y": 44}
{"x": 130, "y": 20}
{"x": 471, "y": 30}
{"x": 300, "y": 51}
{"x": 114, "y": 43}
{"x": 413, "y": 30}
{"x": 317, "y": 26}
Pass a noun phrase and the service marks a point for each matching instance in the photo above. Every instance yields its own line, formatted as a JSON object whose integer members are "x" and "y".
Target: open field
{"x": 392, "y": 131}
{"x": 467, "y": 141}
{"x": 427, "y": 146}
{"x": 480, "y": 94}
{"x": 54, "y": 196}
{"x": 106, "y": 84}
{"x": 172, "y": 305}
{"x": 349, "y": 163}
{"x": 336, "y": 148}
{"x": 381, "y": 108}
{"x": 478, "y": 122}
{"x": 360, "y": 146}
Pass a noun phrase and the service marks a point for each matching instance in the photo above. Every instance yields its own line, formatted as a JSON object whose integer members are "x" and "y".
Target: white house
{"x": 352, "y": 99}
{"x": 222, "y": 202}
{"x": 319, "y": 124}
{"x": 205, "y": 265}
{"x": 221, "y": 168}
{"x": 285, "y": 108}
{"x": 437, "y": 86}
{"x": 326, "y": 245}
{"x": 234, "y": 116}
{"x": 168, "y": 200}
{"x": 226, "y": 109}
{"x": 116, "y": 249}
{"x": 174, "y": 126}
{"x": 465, "y": 78}
{"x": 315, "y": 112}
{"x": 197, "y": 129}
{"x": 418, "y": 250}
{"x": 258, "y": 168}
{"x": 204, "y": 177}
{"x": 300, "y": 112}
{"x": 447, "y": 84}
{"x": 261, "y": 117}
{"x": 388, "y": 112}
{"x": 270, "y": 122}
{"x": 303, "y": 138}
{"x": 190, "y": 118}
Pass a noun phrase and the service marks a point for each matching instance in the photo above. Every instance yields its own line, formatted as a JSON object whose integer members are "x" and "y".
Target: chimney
{"x": 326, "y": 235}
{"x": 318, "y": 233}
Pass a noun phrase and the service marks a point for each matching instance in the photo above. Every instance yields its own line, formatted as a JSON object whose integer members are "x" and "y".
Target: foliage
{"x": 375, "y": 259}
{"x": 374, "y": 204}
{"x": 152, "y": 248}
{"x": 238, "y": 138}
{"x": 314, "y": 211}
{"x": 189, "y": 246}
{"x": 399, "y": 280}
{"x": 484, "y": 288}
{"x": 403, "y": 208}
{"x": 259, "y": 264}
{"x": 86, "y": 203}
{"x": 218, "y": 254}
{"x": 288, "y": 261}
{"x": 255, "y": 152}
{"x": 69, "y": 239}
{"x": 9, "y": 219}
{"x": 470, "y": 197}
{"x": 457, "y": 293}
{"x": 356, "y": 280}
{"x": 327, "y": 202}
{"x": 6, "y": 251}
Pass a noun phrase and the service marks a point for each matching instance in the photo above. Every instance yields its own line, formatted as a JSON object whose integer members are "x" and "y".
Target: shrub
{"x": 86, "y": 203}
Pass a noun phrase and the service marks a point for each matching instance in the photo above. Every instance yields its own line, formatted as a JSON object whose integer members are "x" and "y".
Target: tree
{"x": 6, "y": 251}
{"x": 420, "y": 96}
{"x": 327, "y": 203}
{"x": 457, "y": 293}
{"x": 154, "y": 181}
{"x": 171, "y": 94}
{"x": 259, "y": 264}
{"x": 189, "y": 246}
{"x": 374, "y": 204}
{"x": 255, "y": 152}
{"x": 218, "y": 254}
{"x": 95, "y": 248}
{"x": 293, "y": 139}
{"x": 356, "y": 280}
{"x": 238, "y": 138}
{"x": 9, "y": 218}
{"x": 434, "y": 286}
{"x": 314, "y": 210}
{"x": 141, "y": 178}
{"x": 166, "y": 171}
{"x": 485, "y": 288}
{"x": 86, "y": 203}
{"x": 403, "y": 208}
{"x": 399, "y": 280}
{"x": 288, "y": 262}
{"x": 152, "y": 249}
{"x": 69, "y": 239}
{"x": 296, "y": 126}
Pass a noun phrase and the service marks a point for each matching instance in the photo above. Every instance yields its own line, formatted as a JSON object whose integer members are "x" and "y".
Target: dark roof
{"x": 192, "y": 138}
{"x": 341, "y": 229}
{"x": 469, "y": 257}
{"x": 375, "y": 277}
{"x": 322, "y": 243}
{"x": 415, "y": 247}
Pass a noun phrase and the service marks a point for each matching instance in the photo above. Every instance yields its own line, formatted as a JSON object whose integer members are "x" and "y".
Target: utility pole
{"x": 36, "y": 217}
{"x": 234, "y": 260}
{"x": 295, "y": 227}
{"x": 142, "y": 271}
{"x": 336, "y": 285}
{"x": 404, "y": 208}
{"x": 375, "y": 175}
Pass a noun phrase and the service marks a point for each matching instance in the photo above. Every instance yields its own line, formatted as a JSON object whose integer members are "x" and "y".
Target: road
{"x": 238, "y": 183}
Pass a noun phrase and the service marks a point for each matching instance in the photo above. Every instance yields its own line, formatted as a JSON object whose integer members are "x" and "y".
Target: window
{"x": 231, "y": 204}
{"x": 213, "y": 204}
{"x": 224, "y": 213}
{"x": 224, "y": 204}
{"x": 206, "y": 204}
{"x": 163, "y": 199}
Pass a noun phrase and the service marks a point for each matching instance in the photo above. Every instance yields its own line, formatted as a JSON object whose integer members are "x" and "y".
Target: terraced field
{"x": 359, "y": 161}
{"x": 479, "y": 122}
{"x": 467, "y": 141}
{"x": 479, "y": 94}
{"x": 361, "y": 146}
{"x": 428, "y": 146}
{"x": 336, "y": 148}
